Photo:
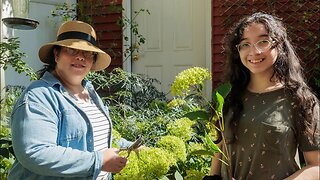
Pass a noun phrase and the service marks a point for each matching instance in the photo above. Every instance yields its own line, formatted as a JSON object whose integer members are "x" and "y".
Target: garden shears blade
{"x": 135, "y": 145}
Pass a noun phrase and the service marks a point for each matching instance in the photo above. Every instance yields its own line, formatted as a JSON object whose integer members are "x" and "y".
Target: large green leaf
{"x": 218, "y": 96}
{"x": 197, "y": 115}
{"x": 164, "y": 178}
{"x": 178, "y": 176}
{"x": 219, "y": 102}
{"x": 211, "y": 144}
{"x": 223, "y": 89}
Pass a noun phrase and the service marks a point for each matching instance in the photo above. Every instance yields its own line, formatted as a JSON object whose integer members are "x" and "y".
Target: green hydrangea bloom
{"x": 174, "y": 145}
{"x": 152, "y": 163}
{"x": 194, "y": 175}
{"x": 213, "y": 132}
{"x": 188, "y": 78}
{"x": 181, "y": 128}
{"x": 176, "y": 102}
{"x": 195, "y": 147}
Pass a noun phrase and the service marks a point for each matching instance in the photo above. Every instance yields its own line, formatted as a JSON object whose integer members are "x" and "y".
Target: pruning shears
{"x": 135, "y": 145}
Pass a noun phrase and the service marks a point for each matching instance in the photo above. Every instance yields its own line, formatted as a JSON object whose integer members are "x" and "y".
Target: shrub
{"x": 194, "y": 175}
{"x": 174, "y": 145}
{"x": 150, "y": 163}
{"x": 6, "y": 150}
{"x": 181, "y": 128}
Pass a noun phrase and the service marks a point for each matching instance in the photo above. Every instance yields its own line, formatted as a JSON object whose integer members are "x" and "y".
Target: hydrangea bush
{"x": 149, "y": 163}
{"x": 173, "y": 145}
{"x": 181, "y": 128}
{"x": 172, "y": 129}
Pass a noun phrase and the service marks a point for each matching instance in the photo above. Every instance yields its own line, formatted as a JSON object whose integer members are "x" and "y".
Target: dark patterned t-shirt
{"x": 267, "y": 138}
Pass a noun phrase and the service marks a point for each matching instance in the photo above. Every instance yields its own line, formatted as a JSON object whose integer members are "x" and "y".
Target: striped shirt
{"x": 100, "y": 126}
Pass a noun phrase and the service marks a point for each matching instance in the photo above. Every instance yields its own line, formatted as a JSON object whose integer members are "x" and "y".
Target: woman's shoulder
{"x": 38, "y": 91}
{"x": 38, "y": 87}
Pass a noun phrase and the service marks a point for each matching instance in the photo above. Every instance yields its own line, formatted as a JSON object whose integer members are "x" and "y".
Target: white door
{"x": 175, "y": 38}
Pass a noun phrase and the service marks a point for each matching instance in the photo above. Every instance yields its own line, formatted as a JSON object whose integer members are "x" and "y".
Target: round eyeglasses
{"x": 261, "y": 46}
{"x": 74, "y": 52}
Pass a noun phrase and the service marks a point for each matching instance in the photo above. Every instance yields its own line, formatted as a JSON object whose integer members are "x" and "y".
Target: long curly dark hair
{"x": 287, "y": 69}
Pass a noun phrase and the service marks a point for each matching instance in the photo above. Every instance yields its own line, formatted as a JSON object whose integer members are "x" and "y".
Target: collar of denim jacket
{"x": 52, "y": 81}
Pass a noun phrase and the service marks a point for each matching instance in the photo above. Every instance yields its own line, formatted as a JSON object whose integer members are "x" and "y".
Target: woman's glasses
{"x": 261, "y": 46}
{"x": 74, "y": 52}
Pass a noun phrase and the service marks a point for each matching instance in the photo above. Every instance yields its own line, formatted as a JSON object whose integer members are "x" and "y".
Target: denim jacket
{"x": 52, "y": 137}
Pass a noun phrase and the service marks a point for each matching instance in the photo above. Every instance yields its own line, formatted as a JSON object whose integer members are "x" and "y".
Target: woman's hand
{"x": 112, "y": 162}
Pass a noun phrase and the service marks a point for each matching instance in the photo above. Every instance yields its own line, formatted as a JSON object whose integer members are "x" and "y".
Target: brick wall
{"x": 104, "y": 15}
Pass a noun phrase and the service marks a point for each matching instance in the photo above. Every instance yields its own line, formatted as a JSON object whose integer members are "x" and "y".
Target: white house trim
{"x": 127, "y": 60}
{"x": 208, "y": 29}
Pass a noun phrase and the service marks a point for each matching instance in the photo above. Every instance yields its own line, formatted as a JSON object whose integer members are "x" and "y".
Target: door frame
{"x": 127, "y": 65}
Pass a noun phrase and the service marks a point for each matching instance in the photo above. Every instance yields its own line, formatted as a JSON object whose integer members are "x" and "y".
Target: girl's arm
{"x": 311, "y": 170}
{"x": 216, "y": 164}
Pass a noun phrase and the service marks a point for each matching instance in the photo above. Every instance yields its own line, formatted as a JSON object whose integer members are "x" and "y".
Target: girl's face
{"x": 255, "y": 50}
{"x": 72, "y": 65}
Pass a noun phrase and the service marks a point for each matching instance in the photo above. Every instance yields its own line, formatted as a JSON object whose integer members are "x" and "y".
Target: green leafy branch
{"x": 11, "y": 55}
{"x": 125, "y": 23}
{"x": 191, "y": 82}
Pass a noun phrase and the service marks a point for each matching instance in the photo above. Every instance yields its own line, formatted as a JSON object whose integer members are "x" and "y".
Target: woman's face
{"x": 255, "y": 50}
{"x": 73, "y": 65}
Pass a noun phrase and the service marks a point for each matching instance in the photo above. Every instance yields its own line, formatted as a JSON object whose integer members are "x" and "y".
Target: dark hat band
{"x": 76, "y": 35}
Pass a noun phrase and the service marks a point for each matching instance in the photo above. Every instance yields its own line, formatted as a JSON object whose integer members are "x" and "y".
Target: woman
{"x": 270, "y": 111}
{"x": 60, "y": 127}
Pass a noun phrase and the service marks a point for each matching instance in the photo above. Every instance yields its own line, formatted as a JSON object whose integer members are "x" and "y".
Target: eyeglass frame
{"x": 74, "y": 52}
{"x": 255, "y": 45}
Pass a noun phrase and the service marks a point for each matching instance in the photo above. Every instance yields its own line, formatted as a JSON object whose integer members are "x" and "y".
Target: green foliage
{"x": 174, "y": 145}
{"x": 198, "y": 162}
{"x": 181, "y": 128}
{"x": 11, "y": 55}
{"x": 82, "y": 10}
{"x": 151, "y": 163}
{"x": 136, "y": 91}
{"x": 139, "y": 39}
{"x": 6, "y": 150}
{"x": 65, "y": 11}
{"x": 176, "y": 102}
{"x": 194, "y": 175}
{"x": 136, "y": 106}
{"x": 212, "y": 120}
{"x": 116, "y": 136}
{"x": 189, "y": 78}
{"x": 7, "y": 103}
{"x": 176, "y": 127}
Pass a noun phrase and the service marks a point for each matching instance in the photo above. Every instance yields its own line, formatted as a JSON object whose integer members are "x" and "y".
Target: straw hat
{"x": 77, "y": 35}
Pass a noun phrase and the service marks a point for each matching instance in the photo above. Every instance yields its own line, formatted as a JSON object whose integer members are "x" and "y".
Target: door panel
{"x": 175, "y": 38}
